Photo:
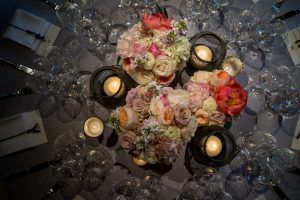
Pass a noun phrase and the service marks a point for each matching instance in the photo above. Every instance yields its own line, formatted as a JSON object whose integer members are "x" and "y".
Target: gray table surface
{"x": 35, "y": 185}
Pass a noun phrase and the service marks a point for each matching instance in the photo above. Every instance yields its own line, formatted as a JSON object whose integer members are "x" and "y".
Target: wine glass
{"x": 192, "y": 190}
{"x": 125, "y": 188}
{"x": 68, "y": 14}
{"x": 267, "y": 121}
{"x": 150, "y": 188}
{"x": 275, "y": 78}
{"x": 47, "y": 104}
{"x": 266, "y": 34}
{"x": 72, "y": 106}
{"x": 98, "y": 163}
{"x": 243, "y": 26}
{"x": 258, "y": 143}
{"x": 285, "y": 102}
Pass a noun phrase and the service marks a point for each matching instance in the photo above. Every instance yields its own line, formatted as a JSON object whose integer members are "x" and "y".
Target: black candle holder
{"x": 97, "y": 86}
{"x": 215, "y": 43}
{"x": 195, "y": 151}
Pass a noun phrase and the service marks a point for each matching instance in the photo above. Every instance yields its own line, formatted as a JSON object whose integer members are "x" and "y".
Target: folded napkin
{"x": 35, "y": 24}
{"x": 296, "y": 142}
{"x": 292, "y": 41}
{"x": 14, "y": 125}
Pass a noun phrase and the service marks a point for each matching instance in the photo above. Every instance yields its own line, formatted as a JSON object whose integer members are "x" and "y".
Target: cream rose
{"x": 143, "y": 77}
{"x": 210, "y": 104}
{"x": 201, "y": 76}
{"x": 149, "y": 61}
{"x": 156, "y": 106}
{"x": 164, "y": 66}
{"x": 179, "y": 97}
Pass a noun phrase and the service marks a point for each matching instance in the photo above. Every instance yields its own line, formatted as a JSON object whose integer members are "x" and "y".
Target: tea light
{"x": 213, "y": 146}
{"x": 203, "y": 52}
{"x": 93, "y": 127}
{"x": 138, "y": 161}
{"x": 112, "y": 85}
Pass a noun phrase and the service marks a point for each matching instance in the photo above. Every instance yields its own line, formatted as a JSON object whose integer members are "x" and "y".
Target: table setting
{"x": 160, "y": 100}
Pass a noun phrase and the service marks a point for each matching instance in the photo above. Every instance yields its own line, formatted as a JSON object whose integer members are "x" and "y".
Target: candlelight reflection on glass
{"x": 213, "y": 146}
{"x": 138, "y": 161}
{"x": 93, "y": 127}
{"x": 113, "y": 86}
{"x": 201, "y": 56}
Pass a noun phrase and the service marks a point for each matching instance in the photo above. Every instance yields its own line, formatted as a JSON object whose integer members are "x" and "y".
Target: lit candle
{"x": 204, "y": 52}
{"x": 138, "y": 161}
{"x": 213, "y": 146}
{"x": 112, "y": 85}
{"x": 93, "y": 127}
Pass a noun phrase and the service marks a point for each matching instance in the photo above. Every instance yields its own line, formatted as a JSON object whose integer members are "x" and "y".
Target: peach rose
{"x": 127, "y": 118}
{"x": 219, "y": 78}
{"x": 166, "y": 116}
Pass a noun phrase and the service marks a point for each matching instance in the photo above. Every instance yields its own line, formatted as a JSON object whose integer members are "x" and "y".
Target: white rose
{"x": 164, "y": 66}
{"x": 149, "y": 61}
{"x": 156, "y": 106}
{"x": 201, "y": 76}
{"x": 142, "y": 77}
{"x": 179, "y": 97}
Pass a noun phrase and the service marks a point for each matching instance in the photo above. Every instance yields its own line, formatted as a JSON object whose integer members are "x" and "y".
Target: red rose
{"x": 231, "y": 98}
{"x": 157, "y": 21}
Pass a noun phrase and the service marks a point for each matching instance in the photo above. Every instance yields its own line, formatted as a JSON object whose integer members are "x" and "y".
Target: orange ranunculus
{"x": 157, "y": 21}
{"x": 231, "y": 98}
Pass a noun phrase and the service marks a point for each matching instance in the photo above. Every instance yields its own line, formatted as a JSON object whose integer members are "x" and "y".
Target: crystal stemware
{"x": 47, "y": 104}
{"x": 275, "y": 78}
{"x": 125, "y": 188}
{"x": 68, "y": 14}
{"x": 98, "y": 163}
{"x": 284, "y": 102}
{"x": 150, "y": 188}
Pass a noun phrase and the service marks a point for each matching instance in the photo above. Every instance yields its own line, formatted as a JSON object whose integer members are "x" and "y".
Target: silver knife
{"x": 23, "y": 68}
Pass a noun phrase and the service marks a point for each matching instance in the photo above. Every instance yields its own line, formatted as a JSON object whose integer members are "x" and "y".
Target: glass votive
{"x": 93, "y": 127}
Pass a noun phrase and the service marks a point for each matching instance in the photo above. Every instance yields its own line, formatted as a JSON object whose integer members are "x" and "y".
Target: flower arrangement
{"x": 215, "y": 96}
{"x": 154, "y": 49}
{"x": 155, "y": 123}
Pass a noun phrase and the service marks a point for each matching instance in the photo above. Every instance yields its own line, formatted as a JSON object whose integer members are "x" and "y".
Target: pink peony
{"x": 231, "y": 98}
{"x": 201, "y": 88}
{"x": 157, "y": 21}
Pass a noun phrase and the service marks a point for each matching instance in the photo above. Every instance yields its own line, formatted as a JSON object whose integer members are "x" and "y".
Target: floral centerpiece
{"x": 215, "y": 96}
{"x": 155, "y": 123}
{"x": 154, "y": 49}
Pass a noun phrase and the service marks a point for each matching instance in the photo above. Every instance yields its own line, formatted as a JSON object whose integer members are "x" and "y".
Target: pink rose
{"x": 139, "y": 48}
{"x": 154, "y": 49}
{"x": 157, "y": 21}
{"x": 132, "y": 95}
{"x": 147, "y": 96}
{"x": 140, "y": 106}
{"x": 127, "y": 140}
{"x": 217, "y": 118}
{"x": 182, "y": 115}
